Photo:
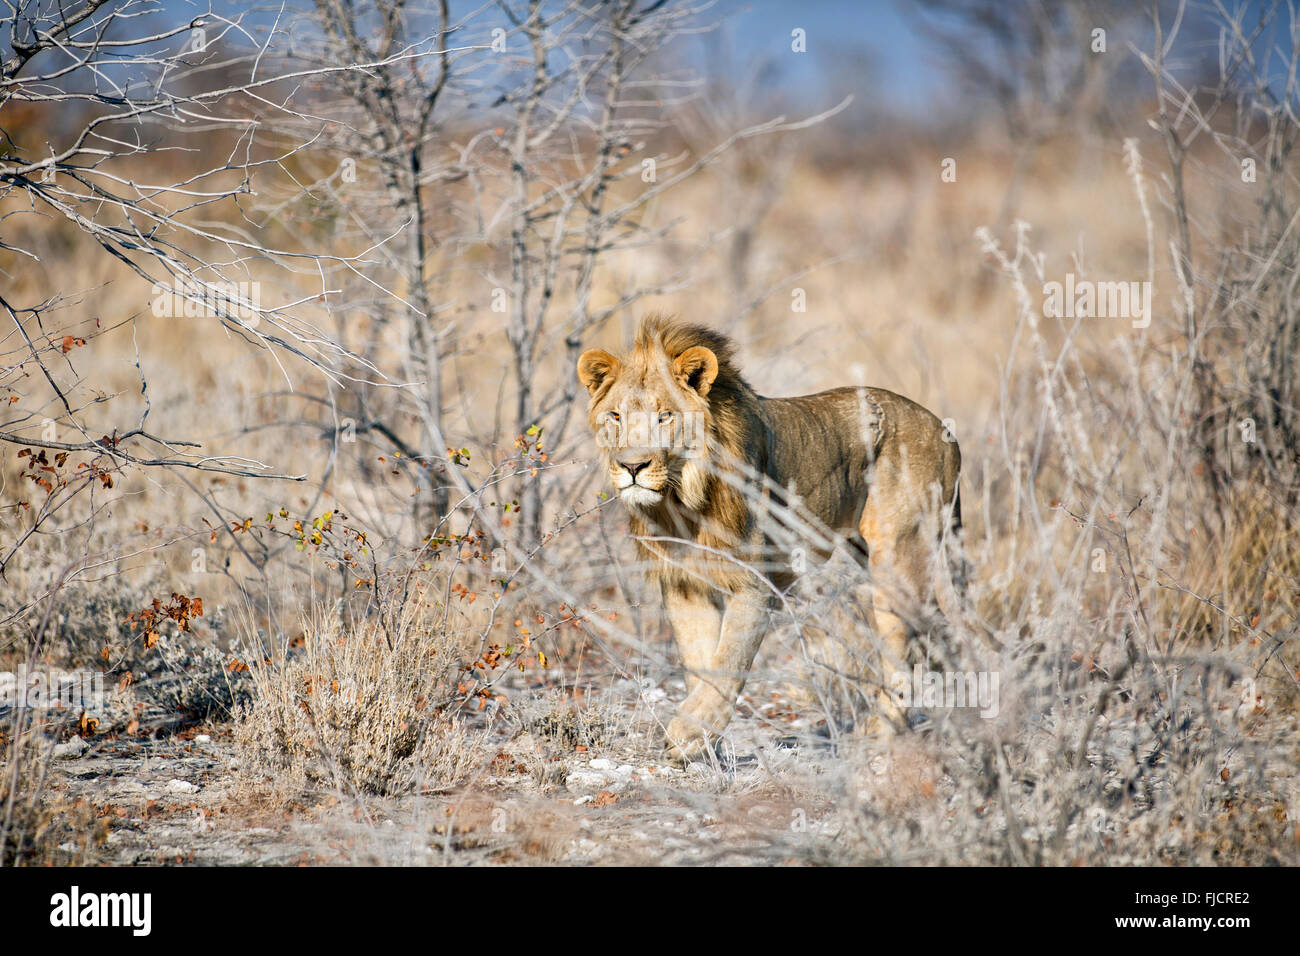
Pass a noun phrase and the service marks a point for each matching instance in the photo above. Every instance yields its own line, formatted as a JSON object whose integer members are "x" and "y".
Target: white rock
{"x": 586, "y": 798}
{"x": 602, "y": 764}
{"x": 202, "y": 739}
{"x": 177, "y": 785}
{"x": 71, "y": 750}
{"x": 587, "y": 781}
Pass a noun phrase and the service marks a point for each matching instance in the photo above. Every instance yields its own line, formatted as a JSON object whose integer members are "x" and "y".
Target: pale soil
{"x": 782, "y": 792}
{"x": 187, "y": 799}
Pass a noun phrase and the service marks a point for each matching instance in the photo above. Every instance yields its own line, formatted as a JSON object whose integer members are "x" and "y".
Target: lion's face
{"x": 650, "y": 416}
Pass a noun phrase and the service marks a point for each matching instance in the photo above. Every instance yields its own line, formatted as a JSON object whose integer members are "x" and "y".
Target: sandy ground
{"x": 539, "y": 798}
{"x": 547, "y": 791}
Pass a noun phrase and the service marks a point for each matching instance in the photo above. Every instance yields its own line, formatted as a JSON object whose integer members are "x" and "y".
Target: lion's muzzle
{"x": 639, "y": 478}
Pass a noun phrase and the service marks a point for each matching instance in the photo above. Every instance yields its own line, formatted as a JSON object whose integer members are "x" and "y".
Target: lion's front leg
{"x": 709, "y": 707}
{"x": 696, "y": 621}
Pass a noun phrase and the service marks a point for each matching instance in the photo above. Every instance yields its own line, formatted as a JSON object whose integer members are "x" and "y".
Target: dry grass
{"x": 37, "y": 827}
{"x": 353, "y": 714}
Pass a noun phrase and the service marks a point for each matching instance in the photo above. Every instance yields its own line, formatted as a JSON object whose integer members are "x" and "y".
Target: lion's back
{"x": 827, "y": 443}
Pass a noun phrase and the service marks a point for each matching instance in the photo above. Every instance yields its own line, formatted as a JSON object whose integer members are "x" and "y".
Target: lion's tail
{"x": 954, "y": 551}
{"x": 957, "y": 554}
{"x": 955, "y": 604}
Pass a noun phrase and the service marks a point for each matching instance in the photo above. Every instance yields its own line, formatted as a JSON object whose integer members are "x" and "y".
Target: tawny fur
{"x": 866, "y": 463}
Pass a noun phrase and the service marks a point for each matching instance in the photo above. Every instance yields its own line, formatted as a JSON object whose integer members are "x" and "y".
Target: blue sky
{"x": 895, "y": 59}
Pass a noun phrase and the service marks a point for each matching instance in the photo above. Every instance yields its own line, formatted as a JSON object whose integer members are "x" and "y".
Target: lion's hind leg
{"x": 843, "y": 659}
{"x": 901, "y": 564}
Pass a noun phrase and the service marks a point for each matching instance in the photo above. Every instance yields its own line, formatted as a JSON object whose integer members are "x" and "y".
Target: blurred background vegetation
{"x": 436, "y": 238}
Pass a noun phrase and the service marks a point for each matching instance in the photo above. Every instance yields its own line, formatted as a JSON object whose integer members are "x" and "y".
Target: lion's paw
{"x": 685, "y": 742}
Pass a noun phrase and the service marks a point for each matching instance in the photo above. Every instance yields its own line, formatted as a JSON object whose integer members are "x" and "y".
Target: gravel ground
{"x": 185, "y": 799}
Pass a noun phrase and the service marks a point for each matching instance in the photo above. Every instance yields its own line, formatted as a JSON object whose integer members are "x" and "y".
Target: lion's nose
{"x": 633, "y": 465}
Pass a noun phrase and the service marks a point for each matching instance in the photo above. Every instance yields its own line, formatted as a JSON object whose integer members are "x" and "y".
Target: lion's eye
{"x": 612, "y": 416}
{"x": 665, "y": 417}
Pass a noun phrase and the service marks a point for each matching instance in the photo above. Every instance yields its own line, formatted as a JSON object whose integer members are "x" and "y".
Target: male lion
{"x": 698, "y": 458}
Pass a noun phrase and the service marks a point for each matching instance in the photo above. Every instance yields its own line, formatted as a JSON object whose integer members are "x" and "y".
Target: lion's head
{"x": 664, "y": 412}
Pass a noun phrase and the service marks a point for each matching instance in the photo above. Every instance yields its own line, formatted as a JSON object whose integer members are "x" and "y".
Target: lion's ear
{"x": 696, "y": 368}
{"x": 594, "y": 366}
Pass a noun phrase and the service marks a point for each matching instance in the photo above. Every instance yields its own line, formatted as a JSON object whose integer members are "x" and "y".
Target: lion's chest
{"x": 703, "y": 557}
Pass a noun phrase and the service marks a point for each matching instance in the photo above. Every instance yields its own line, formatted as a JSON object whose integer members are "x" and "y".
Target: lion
{"x": 698, "y": 457}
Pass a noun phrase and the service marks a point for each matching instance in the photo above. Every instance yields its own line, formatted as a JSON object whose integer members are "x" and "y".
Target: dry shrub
{"x": 87, "y": 622}
{"x": 1135, "y": 583}
{"x": 37, "y": 827}
{"x": 1009, "y": 797}
{"x": 1254, "y": 576}
{"x": 351, "y": 712}
{"x": 565, "y": 722}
